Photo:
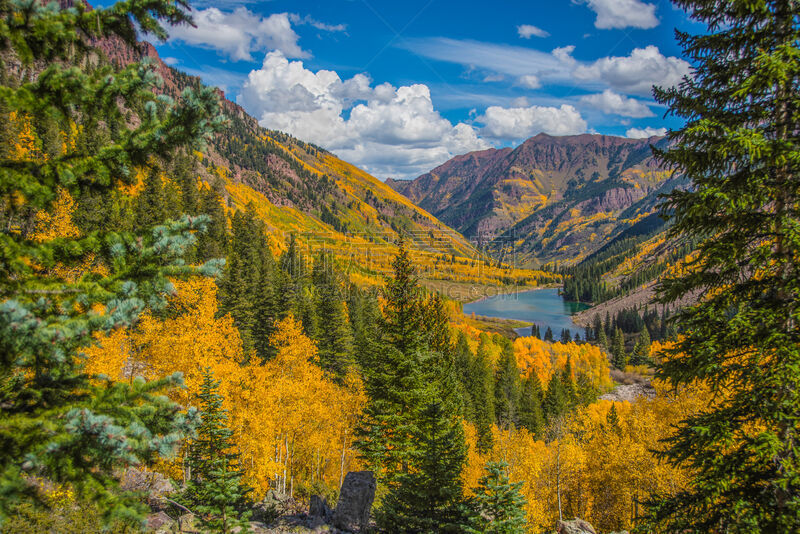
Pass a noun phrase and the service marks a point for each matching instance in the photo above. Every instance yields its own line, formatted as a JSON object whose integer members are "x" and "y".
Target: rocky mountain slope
{"x": 550, "y": 198}
{"x": 301, "y": 189}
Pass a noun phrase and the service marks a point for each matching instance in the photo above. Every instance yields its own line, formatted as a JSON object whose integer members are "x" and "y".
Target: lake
{"x": 544, "y": 307}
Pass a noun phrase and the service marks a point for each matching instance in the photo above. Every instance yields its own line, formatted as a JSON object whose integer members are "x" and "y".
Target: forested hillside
{"x": 299, "y": 189}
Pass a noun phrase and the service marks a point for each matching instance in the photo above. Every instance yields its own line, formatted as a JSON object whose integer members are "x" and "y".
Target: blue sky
{"x": 400, "y": 87}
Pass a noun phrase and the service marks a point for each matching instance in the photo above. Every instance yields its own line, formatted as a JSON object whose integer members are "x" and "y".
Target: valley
{"x": 398, "y": 287}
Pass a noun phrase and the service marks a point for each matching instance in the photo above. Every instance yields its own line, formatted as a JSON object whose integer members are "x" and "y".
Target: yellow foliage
{"x": 192, "y": 340}
{"x": 25, "y": 145}
{"x": 293, "y": 426}
{"x": 543, "y": 358}
{"x": 601, "y": 470}
{"x": 109, "y": 355}
{"x": 58, "y": 221}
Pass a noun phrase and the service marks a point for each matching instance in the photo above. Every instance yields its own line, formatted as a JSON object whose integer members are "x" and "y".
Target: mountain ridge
{"x": 554, "y": 198}
{"x": 299, "y": 188}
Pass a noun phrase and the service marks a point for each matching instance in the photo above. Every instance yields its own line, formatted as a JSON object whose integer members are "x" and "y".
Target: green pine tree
{"x": 334, "y": 334}
{"x": 293, "y": 262}
{"x": 172, "y": 207}
{"x": 602, "y": 340}
{"x": 215, "y": 491}
{"x": 429, "y": 496}
{"x": 365, "y": 317}
{"x": 566, "y": 336}
{"x": 568, "y": 382}
{"x": 463, "y": 362}
{"x": 395, "y": 388}
{"x": 150, "y": 204}
{"x": 585, "y": 390}
{"x": 740, "y": 149}
{"x": 507, "y": 386}
{"x": 548, "y": 334}
{"x": 436, "y": 322}
{"x": 397, "y": 378}
{"x": 58, "y": 425}
{"x": 597, "y": 328}
{"x": 404, "y": 314}
{"x": 530, "y": 405}
{"x": 612, "y": 419}
{"x": 481, "y": 391}
{"x": 306, "y": 310}
{"x": 184, "y": 173}
{"x": 641, "y": 351}
{"x": 498, "y": 505}
{"x": 555, "y": 399}
{"x": 445, "y": 374}
{"x": 248, "y": 265}
{"x": 266, "y": 310}
{"x": 618, "y": 354}
{"x": 213, "y": 242}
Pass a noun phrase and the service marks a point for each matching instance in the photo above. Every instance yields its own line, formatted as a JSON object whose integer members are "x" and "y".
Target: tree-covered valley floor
{"x": 127, "y": 343}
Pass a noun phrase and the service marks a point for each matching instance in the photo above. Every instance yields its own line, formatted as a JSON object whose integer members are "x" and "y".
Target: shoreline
{"x": 515, "y": 292}
{"x": 523, "y": 323}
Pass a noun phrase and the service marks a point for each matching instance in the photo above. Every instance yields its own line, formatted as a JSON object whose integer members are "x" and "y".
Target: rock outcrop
{"x": 317, "y": 507}
{"x": 352, "y": 513}
{"x": 160, "y": 522}
{"x": 575, "y": 526}
{"x": 154, "y": 485}
{"x": 273, "y": 505}
{"x": 355, "y": 501}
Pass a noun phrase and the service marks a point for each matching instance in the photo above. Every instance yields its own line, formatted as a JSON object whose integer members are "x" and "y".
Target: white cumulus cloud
{"x": 526, "y": 31}
{"x": 616, "y": 104}
{"x": 564, "y": 54}
{"x": 644, "y": 133}
{"x": 524, "y": 122}
{"x": 241, "y": 32}
{"x": 388, "y": 131}
{"x": 618, "y": 14}
{"x": 636, "y": 73}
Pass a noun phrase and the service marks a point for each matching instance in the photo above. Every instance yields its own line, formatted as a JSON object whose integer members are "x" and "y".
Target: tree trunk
{"x": 558, "y": 478}
{"x": 341, "y": 462}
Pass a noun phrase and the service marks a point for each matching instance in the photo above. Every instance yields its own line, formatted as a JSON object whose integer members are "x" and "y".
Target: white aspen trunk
{"x": 278, "y": 462}
{"x": 291, "y": 471}
{"x": 341, "y": 462}
{"x": 285, "y": 462}
{"x": 558, "y": 479}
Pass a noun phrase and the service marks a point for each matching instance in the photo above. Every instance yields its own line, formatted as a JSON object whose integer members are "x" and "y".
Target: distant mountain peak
{"x": 598, "y": 182}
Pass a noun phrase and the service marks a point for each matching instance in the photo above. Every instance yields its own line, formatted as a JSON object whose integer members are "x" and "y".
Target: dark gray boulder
{"x": 319, "y": 508}
{"x": 355, "y": 501}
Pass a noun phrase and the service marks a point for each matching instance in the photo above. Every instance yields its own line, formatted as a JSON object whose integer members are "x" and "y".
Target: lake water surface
{"x": 544, "y": 307}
